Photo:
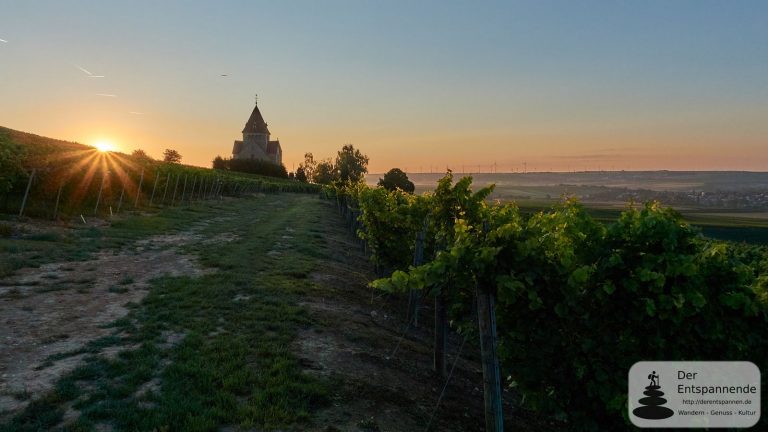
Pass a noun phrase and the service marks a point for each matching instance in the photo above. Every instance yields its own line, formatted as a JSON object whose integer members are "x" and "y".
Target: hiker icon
{"x": 654, "y": 378}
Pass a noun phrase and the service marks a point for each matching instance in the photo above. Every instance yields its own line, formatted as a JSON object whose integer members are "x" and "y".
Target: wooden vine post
{"x": 211, "y": 187}
{"x": 175, "y": 188}
{"x": 184, "y": 190}
{"x": 56, "y": 206}
{"x": 154, "y": 188}
{"x": 441, "y": 322}
{"x": 26, "y": 193}
{"x": 120, "y": 203}
{"x": 165, "y": 194}
{"x": 441, "y": 331}
{"x": 486, "y": 319}
{"x": 192, "y": 191}
{"x": 138, "y": 191}
{"x": 203, "y": 185}
{"x": 413, "y": 295}
{"x": 217, "y": 191}
{"x": 98, "y": 198}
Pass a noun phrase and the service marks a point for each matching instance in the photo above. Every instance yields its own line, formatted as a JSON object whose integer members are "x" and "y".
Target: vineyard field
{"x": 554, "y": 280}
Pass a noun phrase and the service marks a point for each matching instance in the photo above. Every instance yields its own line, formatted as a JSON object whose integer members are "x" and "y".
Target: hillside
{"x": 37, "y": 146}
{"x": 50, "y": 178}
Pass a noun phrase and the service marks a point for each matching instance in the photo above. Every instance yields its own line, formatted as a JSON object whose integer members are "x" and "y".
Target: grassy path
{"x": 203, "y": 352}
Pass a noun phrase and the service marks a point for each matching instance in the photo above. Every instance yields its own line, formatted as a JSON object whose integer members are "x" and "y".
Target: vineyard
{"x": 46, "y": 178}
{"x": 560, "y": 304}
{"x": 563, "y": 305}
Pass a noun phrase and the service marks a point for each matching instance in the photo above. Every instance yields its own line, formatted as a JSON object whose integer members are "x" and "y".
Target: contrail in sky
{"x": 87, "y": 72}
{"x": 135, "y": 112}
{"x": 105, "y": 95}
{"x": 3, "y": 41}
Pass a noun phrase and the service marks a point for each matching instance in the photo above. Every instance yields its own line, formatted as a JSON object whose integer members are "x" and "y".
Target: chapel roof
{"x": 256, "y": 123}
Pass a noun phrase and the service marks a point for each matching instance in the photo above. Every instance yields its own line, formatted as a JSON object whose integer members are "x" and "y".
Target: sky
{"x": 423, "y": 86}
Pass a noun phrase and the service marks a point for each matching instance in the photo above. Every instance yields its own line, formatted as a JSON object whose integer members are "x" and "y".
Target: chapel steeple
{"x": 256, "y": 123}
{"x": 256, "y": 143}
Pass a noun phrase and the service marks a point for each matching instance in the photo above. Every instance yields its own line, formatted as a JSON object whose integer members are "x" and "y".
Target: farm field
{"x": 234, "y": 315}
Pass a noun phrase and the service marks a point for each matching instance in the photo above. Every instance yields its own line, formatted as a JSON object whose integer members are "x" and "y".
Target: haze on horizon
{"x": 549, "y": 86}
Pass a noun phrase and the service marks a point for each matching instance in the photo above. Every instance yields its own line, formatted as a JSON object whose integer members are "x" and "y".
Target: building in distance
{"x": 256, "y": 143}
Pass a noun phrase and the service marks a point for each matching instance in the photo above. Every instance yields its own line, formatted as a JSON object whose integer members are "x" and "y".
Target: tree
{"x": 325, "y": 173}
{"x": 220, "y": 163}
{"x": 171, "y": 156}
{"x": 397, "y": 179}
{"x": 301, "y": 175}
{"x": 351, "y": 164}
{"x": 141, "y": 156}
{"x": 309, "y": 165}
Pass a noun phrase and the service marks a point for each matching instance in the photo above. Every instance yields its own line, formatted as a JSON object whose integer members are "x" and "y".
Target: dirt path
{"x": 57, "y": 309}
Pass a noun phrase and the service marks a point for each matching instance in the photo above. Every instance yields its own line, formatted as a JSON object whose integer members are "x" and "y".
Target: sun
{"x": 104, "y": 146}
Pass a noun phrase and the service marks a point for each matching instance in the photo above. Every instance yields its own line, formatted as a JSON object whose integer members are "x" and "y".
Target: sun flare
{"x": 104, "y": 146}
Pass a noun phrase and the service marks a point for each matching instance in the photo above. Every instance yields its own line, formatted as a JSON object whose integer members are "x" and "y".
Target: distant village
{"x": 744, "y": 199}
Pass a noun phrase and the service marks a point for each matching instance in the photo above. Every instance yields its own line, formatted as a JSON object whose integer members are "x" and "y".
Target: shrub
{"x": 397, "y": 179}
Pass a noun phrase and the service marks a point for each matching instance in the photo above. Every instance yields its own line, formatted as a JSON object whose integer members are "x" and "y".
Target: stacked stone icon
{"x": 653, "y": 408}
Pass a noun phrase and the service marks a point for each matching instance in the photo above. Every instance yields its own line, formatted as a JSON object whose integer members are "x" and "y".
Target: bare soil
{"x": 60, "y": 307}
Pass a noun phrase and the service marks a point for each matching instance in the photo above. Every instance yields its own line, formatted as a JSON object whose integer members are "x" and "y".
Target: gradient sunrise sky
{"x": 557, "y": 85}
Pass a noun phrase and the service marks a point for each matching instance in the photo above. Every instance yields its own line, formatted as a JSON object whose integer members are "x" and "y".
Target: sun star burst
{"x": 104, "y": 146}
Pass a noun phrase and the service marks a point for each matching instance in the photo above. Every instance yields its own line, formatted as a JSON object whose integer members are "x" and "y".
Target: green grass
{"x": 230, "y": 361}
{"x": 48, "y": 236}
{"x": 80, "y": 243}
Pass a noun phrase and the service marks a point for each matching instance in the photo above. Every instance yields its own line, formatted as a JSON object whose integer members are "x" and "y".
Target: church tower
{"x": 255, "y": 130}
{"x": 256, "y": 143}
